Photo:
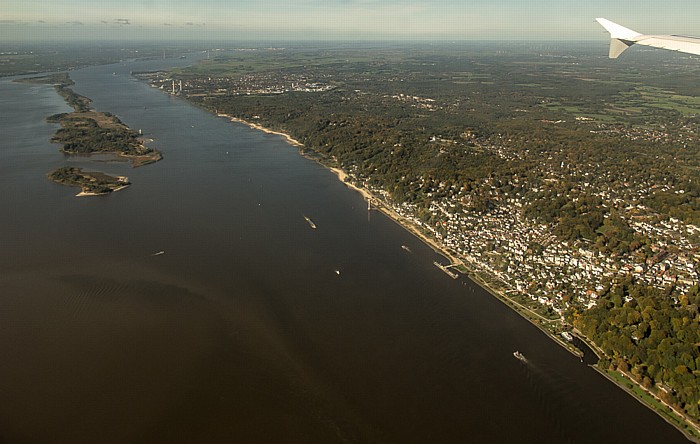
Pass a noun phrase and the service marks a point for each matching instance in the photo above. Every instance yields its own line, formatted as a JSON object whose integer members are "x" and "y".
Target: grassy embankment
{"x": 655, "y": 404}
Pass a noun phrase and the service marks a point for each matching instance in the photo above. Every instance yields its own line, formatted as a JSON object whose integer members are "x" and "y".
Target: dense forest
{"x": 648, "y": 335}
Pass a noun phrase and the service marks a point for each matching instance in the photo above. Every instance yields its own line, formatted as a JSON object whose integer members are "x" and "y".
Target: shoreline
{"x": 89, "y": 193}
{"x": 473, "y": 274}
{"x": 666, "y": 416}
{"x": 90, "y": 183}
{"x": 365, "y": 193}
{"x": 289, "y": 139}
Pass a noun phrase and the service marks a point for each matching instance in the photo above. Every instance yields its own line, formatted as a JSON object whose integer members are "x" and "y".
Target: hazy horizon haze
{"x": 80, "y": 20}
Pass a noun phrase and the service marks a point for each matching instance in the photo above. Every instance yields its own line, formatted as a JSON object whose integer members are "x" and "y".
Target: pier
{"x": 446, "y": 269}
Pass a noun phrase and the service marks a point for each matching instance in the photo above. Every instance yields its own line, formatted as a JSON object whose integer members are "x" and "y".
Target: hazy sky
{"x": 339, "y": 19}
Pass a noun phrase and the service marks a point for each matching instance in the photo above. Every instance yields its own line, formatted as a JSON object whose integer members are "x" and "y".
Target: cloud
{"x": 41, "y": 21}
{"x": 7, "y": 22}
{"x": 75, "y": 23}
{"x": 122, "y": 21}
{"x": 167, "y": 24}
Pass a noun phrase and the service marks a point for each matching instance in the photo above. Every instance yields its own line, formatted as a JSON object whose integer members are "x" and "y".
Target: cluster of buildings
{"x": 683, "y": 134}
{"x": 414, "y": 101}
{"x": 529, "y": 260}
{"x": 249, "y": 84}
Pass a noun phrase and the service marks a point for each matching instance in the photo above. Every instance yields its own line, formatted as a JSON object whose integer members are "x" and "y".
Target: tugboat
{"x": 520, "y": 356}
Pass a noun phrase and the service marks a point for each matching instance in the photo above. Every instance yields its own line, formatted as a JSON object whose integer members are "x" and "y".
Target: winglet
{"x": 621, "y": 38}
{"x": 617, "y": 47}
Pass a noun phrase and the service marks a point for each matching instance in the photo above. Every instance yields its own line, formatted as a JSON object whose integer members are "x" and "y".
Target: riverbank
{"x": 550, "y": 327}
{"x": 651, "y": 401}
{"x": 365, "y": 193}
{"x": 454, "y": 261}
{"x": 292, "y": 141}
{"x": 648, "y": 398}
{"x": 408, "y": 225}
{"x": 393, "y": 215}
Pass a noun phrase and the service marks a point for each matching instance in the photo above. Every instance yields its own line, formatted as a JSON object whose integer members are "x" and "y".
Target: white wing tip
{"x": 618, "y": 31}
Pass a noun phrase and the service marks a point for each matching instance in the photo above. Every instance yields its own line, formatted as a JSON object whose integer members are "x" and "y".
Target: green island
{"x": 91, "y": 183}
{"x": 566, "y": 184}
{"x": 86, "y": 131}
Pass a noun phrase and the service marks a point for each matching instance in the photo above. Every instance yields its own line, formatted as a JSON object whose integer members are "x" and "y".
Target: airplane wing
{"x": 622, "y": 38}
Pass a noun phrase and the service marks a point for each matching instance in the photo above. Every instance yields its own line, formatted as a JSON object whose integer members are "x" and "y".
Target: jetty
{"x": 446, "y": 270}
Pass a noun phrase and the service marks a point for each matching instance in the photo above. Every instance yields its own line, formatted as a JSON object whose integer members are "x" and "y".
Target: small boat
{"x": 159, "y": 253}
{"x": 568, "y": 336}
{"x": 311, "y": 223}
{"x": 520, "y": 356}
{"x": 337, "y": 272}
{"x": 406, "y": 248}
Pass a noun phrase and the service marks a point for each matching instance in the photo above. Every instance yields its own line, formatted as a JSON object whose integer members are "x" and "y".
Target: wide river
{"x": 251, "y": 326}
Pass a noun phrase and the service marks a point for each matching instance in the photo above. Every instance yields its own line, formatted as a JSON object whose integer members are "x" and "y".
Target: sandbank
{"x": 89, "y": 193}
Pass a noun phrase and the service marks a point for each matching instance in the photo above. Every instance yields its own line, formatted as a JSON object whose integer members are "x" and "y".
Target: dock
{"x": 445, "y": 268}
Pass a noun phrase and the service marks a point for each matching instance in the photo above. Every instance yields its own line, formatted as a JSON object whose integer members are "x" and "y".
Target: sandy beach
{"x": 292, "y": 141}
{"x": 342, "y": 176}
{"x": 88, "y": 193}
{"x": 366, "y": 194}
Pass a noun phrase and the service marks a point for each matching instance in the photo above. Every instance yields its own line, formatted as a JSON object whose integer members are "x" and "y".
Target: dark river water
{"x": 243, "y": 330}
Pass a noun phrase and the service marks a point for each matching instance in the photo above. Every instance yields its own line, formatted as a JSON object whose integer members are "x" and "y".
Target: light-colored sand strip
{"x": 342, "y": 176}
{"x": 287, "y": 137}
{"x": 87, "y": 193}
